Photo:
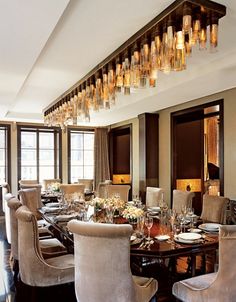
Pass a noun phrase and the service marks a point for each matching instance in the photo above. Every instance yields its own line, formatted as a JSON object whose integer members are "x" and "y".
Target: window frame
{"x": 74, "y": 130}
{"x": 7, "y": 151}
{"x": 41, "y": 129}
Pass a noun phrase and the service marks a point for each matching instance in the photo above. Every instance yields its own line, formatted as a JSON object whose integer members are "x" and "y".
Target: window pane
{"x": 2, "y": 174}
{"x": 28, "y": 157}
{"x": 76, "y": 172}
{"x": 88, "y": 172}
{"x": 28, "y": 172}
{"x": 76, "y": 158}
{"x": 88, "y": 141}
{"x": 46, "y": 173}
{"x": 2, "y": 157}
{"x": 28, "y": 140}
{"x": 2, "y": 139}
{"x": 88, "y": 157}
{"x": 46, "y": 140}
{"x": 46, "y": 157}
{"x": 77, "y": 141}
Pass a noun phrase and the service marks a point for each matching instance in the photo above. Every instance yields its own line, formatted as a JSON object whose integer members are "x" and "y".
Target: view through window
{"x": 4, "y": 154}
{"x": 81, "y": 148}
{"x": 39, "y": 154}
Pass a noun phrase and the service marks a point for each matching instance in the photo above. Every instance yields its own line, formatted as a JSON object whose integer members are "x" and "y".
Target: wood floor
{"x": 18, "y": 292}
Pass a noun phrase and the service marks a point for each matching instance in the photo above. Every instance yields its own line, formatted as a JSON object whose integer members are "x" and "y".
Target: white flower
{"x": 131, "y": 212}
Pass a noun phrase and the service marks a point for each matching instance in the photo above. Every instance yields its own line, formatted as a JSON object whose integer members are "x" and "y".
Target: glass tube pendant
{"x": 105, "y": 88}
{"x": 99, "y": 89}
{"x": 126, "y": 71}
{"x": 144, "y": 62}
{"x": 135, "y": 66}
{"x": 214, "y": 32}
{"x": 119, "y": 75}
{"x": 111, "y": 83}
{"x": 187, "y": 18}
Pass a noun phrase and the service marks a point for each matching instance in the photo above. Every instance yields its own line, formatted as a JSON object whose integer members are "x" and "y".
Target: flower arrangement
{"x": 97, "y": 202}
{"x": 132, "y": 213}
{"x": 55, "y": 186}
{"x": 101, "y": 203}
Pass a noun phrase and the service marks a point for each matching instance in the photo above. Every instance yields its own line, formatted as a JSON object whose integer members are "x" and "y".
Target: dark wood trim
{"x": 8, "y": 151}
{"x": 40, "y": 129}
{"x": 195, "y": 109}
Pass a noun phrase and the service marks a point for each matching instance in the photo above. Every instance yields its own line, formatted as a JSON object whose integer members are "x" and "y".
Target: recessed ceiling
{"x": 50, "y": 45}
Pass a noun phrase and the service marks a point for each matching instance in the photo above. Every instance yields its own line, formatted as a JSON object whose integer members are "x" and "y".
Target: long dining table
{"x": 157, "y": 249}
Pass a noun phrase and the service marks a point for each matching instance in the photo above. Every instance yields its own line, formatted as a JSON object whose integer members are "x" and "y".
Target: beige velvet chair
{"x": 214, "y": 208}
{"x": 102, "y": 265}
{"x": 72, "y": 188}
{"x": 5, "y": 189}
{"x": 88, "y": 184}
{"x": 29, "y": 196}
{"x": 214, "y": 287}
{"x": 153, "y": 196}
{"x": 48, "y": 182}
{"x": 38, "y": 187}
{"x": 182, "y": 199}
{"x": 50, "y": 247}
{"x": 28, "y": 182}
{"x": 122, "y": 190}
{"x": 34, "y": 269}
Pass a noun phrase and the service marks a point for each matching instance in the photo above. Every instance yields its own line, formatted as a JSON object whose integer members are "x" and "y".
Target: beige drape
{"x": 101, "y": 158}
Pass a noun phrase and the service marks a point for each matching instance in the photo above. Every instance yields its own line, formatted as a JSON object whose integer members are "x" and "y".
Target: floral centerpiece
{"x": 132, "y": 213}
{"x": 55, "y": 186}
{"x": 97, "y": 203}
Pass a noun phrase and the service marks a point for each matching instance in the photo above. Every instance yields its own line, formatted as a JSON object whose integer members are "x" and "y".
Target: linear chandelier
{"x": 163, "y": 45}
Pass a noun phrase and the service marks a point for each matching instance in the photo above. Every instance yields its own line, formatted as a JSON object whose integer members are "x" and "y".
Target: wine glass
{"x": 148, "y": 224}
{"x": 190, "y": 213}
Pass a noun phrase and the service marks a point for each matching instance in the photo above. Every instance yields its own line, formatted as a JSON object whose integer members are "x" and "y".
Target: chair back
{"x": 28, "y": 182}
{"x": 153, "y": 196}
{"x": 122, "y": 190}
{"x": 29, "y": 198}
{"x": 104, "y": 275}
{"x": 214, "y": 208}
{"x": 38, "y": 188}
{"x": 5, "y": 189}
{"x": 72, "y": 188}
{"x": 34, "y": 270}
{"x": 88, "y": 183}
{"x": 13, "y": 204}
{"x": 182, "y": 199}
{"x": 48, "y": 182}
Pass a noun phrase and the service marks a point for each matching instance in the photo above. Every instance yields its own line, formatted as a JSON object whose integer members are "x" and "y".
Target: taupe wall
{"x": 229, "y": 97}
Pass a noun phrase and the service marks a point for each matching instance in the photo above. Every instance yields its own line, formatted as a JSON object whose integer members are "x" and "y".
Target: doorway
{"x": 197, "y": 151}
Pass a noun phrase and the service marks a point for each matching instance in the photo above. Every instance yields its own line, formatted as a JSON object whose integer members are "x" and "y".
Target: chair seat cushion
{"x": 182, "y": 289}
{"x": 51, "y": 245}
{"x": 65, "y": 261}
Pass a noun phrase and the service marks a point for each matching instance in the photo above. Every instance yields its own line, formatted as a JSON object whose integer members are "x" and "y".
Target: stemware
{"x": 149, "y": 224}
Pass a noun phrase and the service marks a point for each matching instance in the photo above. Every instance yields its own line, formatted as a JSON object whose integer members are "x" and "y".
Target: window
{"x": 39, "y": 153}
{"x": 80, "y": 146}
{"x": 4, "y": 153}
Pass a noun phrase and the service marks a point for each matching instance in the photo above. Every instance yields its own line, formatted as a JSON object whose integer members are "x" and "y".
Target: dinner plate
{"x": 50, "y": 209}
{"x": 189, "y": 236}
{"x": 195, "y": 230}
{"x": 154, "y": 209}
{"x": 179, "y": 240}
{"x": 133, "y": 237}
{"x": 52, "y": 204}
{"x": 210, "y": 227}
{"x": 162, "y": 237}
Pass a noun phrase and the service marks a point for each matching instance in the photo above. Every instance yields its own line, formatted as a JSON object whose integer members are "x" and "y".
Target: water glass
{"x": 149, "y": 224}
{"x": 140, "y": 226}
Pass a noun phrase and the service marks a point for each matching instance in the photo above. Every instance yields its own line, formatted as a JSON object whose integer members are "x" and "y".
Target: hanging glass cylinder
{"x": 99, "y": 89}
{"x": 126, "y": 72}
{"x": 214, "y": 32}
{"x": 111, "y": 83}
{"x": 153, "y": 63}
{"x": 187, "y": 17}
{"x": 105, "y": 88}
{"x": 119, "y": 75}
{"x": 135, "y": 66}
{"x": 144, "y": 62}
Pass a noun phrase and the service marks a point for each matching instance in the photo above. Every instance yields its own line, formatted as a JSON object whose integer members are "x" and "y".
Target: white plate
{"x": 189, "y": 236}
{"x": 52, "y": 204}
{"x": 162, "y": 237}
{"x": 133, "y": 237}
{"x": 213, "y": 227}
{"x": 154, "y": 209}
{"x": 195, "y": 230}
{"x": 179, "y": 240}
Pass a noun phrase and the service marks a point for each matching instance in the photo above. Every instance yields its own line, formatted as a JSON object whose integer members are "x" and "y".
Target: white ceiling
{"x": 47, "y": 46}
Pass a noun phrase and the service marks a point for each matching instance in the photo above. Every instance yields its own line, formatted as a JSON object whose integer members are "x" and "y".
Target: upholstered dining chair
{"x": 122, "y": 190}
{"x": 214, "y": 208}
{"x": 34, "y": 269}
{"x": 217, "y": 286}
{"x": 38, "y": 188}
{"x": 153, "y": 196}
{"x": 102, "y": 265}
{"x": 181, "y": 199}
{"x": 49, "y": 246}
{"x": 28, "y": 182}
{"x": 88, "y": 184}
{"x": 72, "y": 188}
{"x": 47, "y": 182}
{"x": 5, "y": 189}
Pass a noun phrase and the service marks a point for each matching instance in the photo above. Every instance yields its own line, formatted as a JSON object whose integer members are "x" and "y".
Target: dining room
{"x": 117, "y": 148}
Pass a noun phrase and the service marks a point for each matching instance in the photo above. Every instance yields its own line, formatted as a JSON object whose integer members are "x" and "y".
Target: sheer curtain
{"x": 101, "y": 158}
